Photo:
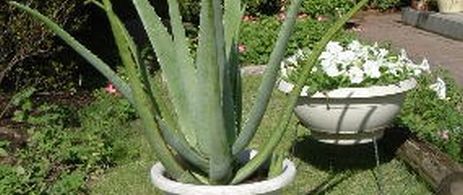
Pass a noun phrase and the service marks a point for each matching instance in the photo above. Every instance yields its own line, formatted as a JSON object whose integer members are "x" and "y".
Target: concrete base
{"x": 446, "y": 24}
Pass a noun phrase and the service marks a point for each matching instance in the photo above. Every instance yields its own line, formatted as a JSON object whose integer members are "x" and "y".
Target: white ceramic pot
{"x": 350, "y": 115}
{"x": 450, "y": 6}
{"x": 272, "y": 186}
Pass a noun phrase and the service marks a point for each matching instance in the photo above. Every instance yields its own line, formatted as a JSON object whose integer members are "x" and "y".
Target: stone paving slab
{"x": 439, "y": 50}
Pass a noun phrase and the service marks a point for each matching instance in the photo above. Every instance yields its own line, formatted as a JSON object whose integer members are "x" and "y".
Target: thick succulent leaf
{"x": 171, "y": 66}
{"x": 101, "y": 66}
{"x": 180, "y": 145}
{"x": 210, "y": 62}
{"x": 232, "y": 21}
{"x": 228, "y": 105}
{"x": 170, "y": 133}
{"x": 276, "y": 165}
{"x": 188, "y": 72}
{"x": 268, "y": 82}
{"x": 180, "y": 40}
{"x": 174, "y": 139}
{"x": 166, "y": 123}
{"x": 143, "y": 105}
{"x": 231, "y": 103}
{"x": 266, "y": 150}
{"x": 235, "y": 80}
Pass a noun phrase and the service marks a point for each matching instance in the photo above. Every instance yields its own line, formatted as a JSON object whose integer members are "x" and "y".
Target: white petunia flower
{"x": 403, "y": 57}
{"x": 288, "y": 65}
{"x": 416, "y": 69}
{"x": 325, "y": 63}
{"x": 300, "y": 54}
{"x": 346, "y": 57}
{"x": 334, "y": 47}
{"x": 375, "y": 49}
{"x": 382, "y": 53}
{"x": 292, "y": 60}
{"x": 355, "y": 46}
{"x": 285, "y": 70}
{"x": 371, "y": 69}
{"x": 355, "y": 75}
{"x": 440, "y": 88}
{"x": 332, "y": 71}
{"x": 393, "y": 68}
{"x": 419, "y": 69}
{"x": 425, "y": 65}
{"x": 403, "y": 54}
{"x": 358, "y": 62}
{"x": 327, "y": 55}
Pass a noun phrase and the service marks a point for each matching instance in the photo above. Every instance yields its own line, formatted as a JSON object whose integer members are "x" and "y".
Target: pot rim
{"x": 354, "y": 92}
{"x": 269, "y": 185}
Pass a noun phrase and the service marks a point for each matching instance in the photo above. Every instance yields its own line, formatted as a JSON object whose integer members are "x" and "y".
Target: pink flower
{"x": 302, "y": 16}
{"x": 241, "y": 48}
{"x": 248, "y": 18}
{"x": 111, "y": 89}
{"x": 444, "y": 135}
{"x": 322, "y": 18}
{"x": 281, "y": 16}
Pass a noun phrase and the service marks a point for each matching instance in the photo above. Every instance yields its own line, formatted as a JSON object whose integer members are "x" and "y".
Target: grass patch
{"x": 322, "y": 169}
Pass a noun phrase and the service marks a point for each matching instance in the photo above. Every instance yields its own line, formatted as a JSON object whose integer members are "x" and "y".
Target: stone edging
{"x": 253, "y": 70}
{"x": 446, "y": 24}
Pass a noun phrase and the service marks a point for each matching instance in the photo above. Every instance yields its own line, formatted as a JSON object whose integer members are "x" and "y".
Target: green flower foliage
{"x": 335, "y": 8}
{"x": 258, "y": 43}
{"x": 327, "y": 7}
{"x": 439, "y": 121}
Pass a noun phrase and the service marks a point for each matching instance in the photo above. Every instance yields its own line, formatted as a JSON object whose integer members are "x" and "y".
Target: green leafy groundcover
{"x": 258, "y": 35}
{"x": 439, "y": 121}
{"x": 67, "y": 148}
{"x": 335, "y": 8}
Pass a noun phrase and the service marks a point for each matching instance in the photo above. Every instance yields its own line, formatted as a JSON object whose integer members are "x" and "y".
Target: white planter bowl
{"x": 350, "y": 115}
{"x": 272, "y": 186}
{"x": 450, "y": 6}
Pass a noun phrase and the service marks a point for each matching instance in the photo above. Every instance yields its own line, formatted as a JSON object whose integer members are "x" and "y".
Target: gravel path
{"x": 418, "y": 43}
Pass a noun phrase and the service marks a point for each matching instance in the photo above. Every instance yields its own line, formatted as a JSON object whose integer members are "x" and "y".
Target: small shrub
{"x": 439, "y": 121}
{"x": 256, "y": 41}
{"x": 27, "y": 48}
{"x": 336, "y": 8}
{"x": 190, "y": 8}
{"x": 326, "y": 7}
{"x": 108, "y": 115}
{"x": 263, "y": 7}
{"x": 258, "y": 37}
{"x": 383, "y": 5}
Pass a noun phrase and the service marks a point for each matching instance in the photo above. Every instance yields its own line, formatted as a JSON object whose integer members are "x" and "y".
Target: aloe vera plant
{"x": 199, "y": 139}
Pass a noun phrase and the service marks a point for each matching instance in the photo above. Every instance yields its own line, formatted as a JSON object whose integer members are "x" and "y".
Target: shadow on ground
{"x": 342, "y": 161}
{"x": 338, "y": 158}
